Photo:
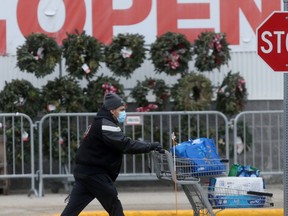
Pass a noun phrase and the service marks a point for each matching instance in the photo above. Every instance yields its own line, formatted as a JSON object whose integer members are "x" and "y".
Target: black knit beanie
{"x": 113, "y": 101}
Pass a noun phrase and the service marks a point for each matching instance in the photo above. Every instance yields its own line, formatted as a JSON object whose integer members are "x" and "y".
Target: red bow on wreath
{"x": 173, "y": 60}
{"x": 109, "y": 88}
{"x": 147, "y": 108}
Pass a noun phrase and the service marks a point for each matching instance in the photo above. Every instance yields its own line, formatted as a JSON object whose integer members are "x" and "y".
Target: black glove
{"x": 155, "y": 146}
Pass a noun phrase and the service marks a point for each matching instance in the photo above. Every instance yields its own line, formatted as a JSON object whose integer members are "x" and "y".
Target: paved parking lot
{"x": 139, "y": 199}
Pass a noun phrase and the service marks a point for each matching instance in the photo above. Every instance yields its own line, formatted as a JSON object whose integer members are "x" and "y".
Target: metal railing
{"x": 59, "y": 138}
{"x": 60, "y": 135}
{"x": 254, "y": 138}
{"x": 17, "y": 148}
{"x": 258, "y": 140}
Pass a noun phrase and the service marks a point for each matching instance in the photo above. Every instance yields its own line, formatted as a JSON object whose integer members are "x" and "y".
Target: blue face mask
{"x": 122, "y": 116}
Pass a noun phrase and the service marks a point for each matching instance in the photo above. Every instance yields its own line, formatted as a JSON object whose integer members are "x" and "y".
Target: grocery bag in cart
{"x": 243, "y": 171}
{"x": 202, "y": 155}
{"x": 237, "y": 192}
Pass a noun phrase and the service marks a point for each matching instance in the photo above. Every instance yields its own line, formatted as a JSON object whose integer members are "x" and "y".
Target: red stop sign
{"x": 272, "y": 39}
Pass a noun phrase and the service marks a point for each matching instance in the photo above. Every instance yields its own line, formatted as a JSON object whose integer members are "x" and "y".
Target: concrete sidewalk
{"x": 142, "y": 201}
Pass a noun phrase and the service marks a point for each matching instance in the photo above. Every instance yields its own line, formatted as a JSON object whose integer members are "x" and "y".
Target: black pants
{"x": 87, "y": 188}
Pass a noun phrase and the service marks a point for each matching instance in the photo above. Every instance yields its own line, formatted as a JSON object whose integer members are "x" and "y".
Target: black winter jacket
{"x": 103, "y": 146}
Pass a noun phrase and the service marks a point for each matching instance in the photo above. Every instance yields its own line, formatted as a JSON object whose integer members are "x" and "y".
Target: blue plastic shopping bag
{"x": 203, "y": 156}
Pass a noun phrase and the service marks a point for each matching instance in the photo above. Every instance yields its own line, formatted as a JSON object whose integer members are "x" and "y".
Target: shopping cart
{"x": 194, "y": 180}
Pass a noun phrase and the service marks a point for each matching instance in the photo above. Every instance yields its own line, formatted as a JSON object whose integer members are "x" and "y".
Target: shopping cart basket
{"x": 202, "y": 197}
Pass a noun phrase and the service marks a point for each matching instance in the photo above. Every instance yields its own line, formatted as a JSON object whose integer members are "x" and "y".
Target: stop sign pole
{"x": 285, "y": 147}
{"x": 272, "y": 47}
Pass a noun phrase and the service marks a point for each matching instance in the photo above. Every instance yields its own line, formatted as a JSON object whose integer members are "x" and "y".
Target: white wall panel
{"x": 262, "y": 81}
{"x": 9, "y": 71}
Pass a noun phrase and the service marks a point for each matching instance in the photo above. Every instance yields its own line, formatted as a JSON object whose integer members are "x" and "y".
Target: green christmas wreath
{"x": 211, "y": 50}
{"x": 232, "y": 94}
{"x": 17, "y": 141}
{"x": 62, "y": 94}
{"x": 60, "y": 143}
{"x": 83, "y": 55}
{"x": 20, "y": 96}
{"x": 125, "y": 54}
{"x": 171, "y": 53}
{"x": 39, "y": 55}
{"x": 96, "y": 89}
{"x": 157, "y": 87}
{"x": 193, "y": 92}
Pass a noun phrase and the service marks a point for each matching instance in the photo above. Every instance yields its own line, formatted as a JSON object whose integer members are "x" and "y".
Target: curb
{"x": 225, "y": 212}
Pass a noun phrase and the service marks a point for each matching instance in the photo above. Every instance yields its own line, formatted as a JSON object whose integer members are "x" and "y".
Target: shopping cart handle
{"x": 257, "y": 193}
{"x": 161, "y": 151}
{"x": 224, "y": 160}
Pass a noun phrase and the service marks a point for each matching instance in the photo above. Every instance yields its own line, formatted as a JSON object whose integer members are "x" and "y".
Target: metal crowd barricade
{"x": 158, "y": 126}
{"x": 59, "y": 137}
{"x": 258, "y": 140}
{"x": 17, "y": 149}
{"x": 61, "y": 133}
